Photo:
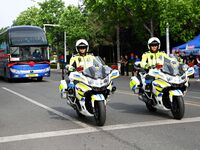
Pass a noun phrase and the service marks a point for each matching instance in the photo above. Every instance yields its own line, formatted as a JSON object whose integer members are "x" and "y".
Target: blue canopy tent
{"x": 190, "y": 47}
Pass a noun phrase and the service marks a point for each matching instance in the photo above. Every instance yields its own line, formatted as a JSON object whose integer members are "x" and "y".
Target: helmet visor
{"x": 154, "y": 44}
{"x": 81, "y": 47}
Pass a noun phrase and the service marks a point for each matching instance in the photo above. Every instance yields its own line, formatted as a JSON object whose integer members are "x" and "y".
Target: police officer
{"x": 153, "y": 56}
{"x": 82, "y": 58}
{"x": 150, "y": 59}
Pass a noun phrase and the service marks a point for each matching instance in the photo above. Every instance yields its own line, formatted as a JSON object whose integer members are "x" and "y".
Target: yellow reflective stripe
{"x": 61, "y": 87}
{"x": 171, "y": 93}
{"x": 93, "y": 98}
{"x": 132, "y": 84}
{"x": 161, "y": 83}
{"x": 157, "y": 93}
{"x": 159, "y": 88}
{"x": 83, "y": 87}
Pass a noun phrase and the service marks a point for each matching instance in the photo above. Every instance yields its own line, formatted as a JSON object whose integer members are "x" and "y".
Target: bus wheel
{"x": 39, "y": 78}
{"x": 5, "y": 76}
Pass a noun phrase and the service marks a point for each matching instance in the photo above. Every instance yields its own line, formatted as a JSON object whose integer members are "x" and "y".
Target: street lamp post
{"x": 167, "y": 39}
{"x": 65, "y": 39}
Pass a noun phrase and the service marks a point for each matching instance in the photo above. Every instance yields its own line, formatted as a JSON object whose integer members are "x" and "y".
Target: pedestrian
{"x": 122, "y": 65}
{"x": 126, "y": 65}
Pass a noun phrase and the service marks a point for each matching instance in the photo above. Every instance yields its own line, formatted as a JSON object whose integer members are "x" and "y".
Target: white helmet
{"x": 82, "y": 43}
{"x": 152, "y": 41}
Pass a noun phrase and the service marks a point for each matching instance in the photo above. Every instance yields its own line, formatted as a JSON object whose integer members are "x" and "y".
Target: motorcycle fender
{"x": 97, "y": 97}
{"x": 134, "y": 83}
{"x": 175, "y": 93}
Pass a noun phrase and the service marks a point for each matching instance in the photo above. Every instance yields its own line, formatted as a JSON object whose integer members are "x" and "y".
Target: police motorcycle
{"x": 167, "y": 89}
{"x": 89, "y": 88}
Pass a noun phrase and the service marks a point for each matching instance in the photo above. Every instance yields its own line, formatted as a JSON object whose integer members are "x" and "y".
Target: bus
{"x": 24, "y": 53}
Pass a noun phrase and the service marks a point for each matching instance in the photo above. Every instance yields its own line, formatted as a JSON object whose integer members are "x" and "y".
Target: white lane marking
{"x": 188, "y": 103}
{"x": 92, "y": 130}
{"x": 47, "y": 108}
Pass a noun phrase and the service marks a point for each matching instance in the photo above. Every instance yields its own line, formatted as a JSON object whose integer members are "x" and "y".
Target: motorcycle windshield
{"x": 98, "y": 69}
{"x": 172, "y": 67}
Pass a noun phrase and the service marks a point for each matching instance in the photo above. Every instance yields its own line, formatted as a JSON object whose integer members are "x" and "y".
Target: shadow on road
{"x": 23, "y": 80}
{"x": 138, "y": 109}
{"x": 71, "y": 113}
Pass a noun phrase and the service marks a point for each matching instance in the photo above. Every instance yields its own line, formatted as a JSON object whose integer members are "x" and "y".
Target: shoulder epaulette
{"x": 162, "y": 51}
{"x": 90, "y": 54}
{"x": 147, "y": 52}
{"x": 75, "y": 55}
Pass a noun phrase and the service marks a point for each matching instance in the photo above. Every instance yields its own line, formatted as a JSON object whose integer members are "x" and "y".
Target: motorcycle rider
{"x": 154, "y": 55}
{"x": 150, "y": 59}
{"x": 80, "y": 60}
{"x": 82, "y": 57}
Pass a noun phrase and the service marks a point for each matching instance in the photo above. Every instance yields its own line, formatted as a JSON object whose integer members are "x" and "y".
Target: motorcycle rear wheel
{"x": 100, "y": 113}
{"x": 178, "y": 107}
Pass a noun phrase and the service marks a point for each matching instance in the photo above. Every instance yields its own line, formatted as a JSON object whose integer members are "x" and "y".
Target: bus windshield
{"x": 27, "y": 36}
{"x": 28, "y": 53}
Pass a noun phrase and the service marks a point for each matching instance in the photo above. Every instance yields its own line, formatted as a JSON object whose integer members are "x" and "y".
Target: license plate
{"x": 32, "y": 75}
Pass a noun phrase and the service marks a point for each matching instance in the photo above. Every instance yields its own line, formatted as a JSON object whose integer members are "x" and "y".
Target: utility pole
{"x": 65, "y": 39}
{"x": 167, "y": 39}
{"x": 167, "y": 30}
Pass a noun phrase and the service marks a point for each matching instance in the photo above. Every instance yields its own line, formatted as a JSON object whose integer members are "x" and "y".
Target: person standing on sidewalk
{"x": 126, "y": 65}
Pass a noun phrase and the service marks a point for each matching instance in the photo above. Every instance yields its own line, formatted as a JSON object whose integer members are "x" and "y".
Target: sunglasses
{"x": 82, "y": 47}
{"x": 153, "y": 45}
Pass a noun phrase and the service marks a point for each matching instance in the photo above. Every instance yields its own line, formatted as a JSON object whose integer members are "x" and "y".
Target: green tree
{"x": 183, "y": 17}
{"x": 75, "y": 24}
{"x": 28, "y": 17}
{"x": 50, "y": 12}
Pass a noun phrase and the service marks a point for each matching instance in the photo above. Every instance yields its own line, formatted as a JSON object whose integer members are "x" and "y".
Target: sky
{"x": 10, "y": 9}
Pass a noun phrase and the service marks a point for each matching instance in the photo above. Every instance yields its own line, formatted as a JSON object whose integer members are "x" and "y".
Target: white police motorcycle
{"x": 88, "y": 89}
{"x": 167, "y": 89}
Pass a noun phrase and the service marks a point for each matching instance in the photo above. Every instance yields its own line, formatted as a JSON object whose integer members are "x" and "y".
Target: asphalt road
{"x": 34, "y": 117}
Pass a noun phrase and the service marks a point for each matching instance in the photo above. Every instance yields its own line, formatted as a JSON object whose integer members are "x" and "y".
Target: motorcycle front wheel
{"x": 178, "y": 107}
{"x": 100, "y": 113}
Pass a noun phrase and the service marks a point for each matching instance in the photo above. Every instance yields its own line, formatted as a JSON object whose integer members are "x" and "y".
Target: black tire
{"x": 178, "y": 107}
{"x": 150, "y": 107}
{"x": 39, "y": 79}
{"x": 100, "y": 113}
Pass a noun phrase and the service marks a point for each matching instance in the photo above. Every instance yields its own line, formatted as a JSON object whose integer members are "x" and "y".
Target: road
{"x": 34, "y": 117}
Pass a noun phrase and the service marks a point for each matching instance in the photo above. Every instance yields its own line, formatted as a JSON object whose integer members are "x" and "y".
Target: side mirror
{"x": 114, "y": 74}
{"x": 190, "y": 71}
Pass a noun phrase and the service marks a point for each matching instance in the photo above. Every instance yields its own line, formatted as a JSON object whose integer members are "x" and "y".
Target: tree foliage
{"x": 183, "y": 17}
{"x": 137, "y": 20}
{"x": 28, "y": 17}
{"x": 75, "y": 25}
